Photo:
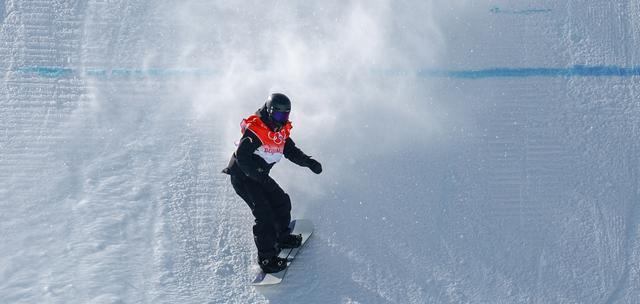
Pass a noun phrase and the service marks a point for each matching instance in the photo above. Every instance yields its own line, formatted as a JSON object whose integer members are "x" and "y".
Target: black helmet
{"x": 278, "y": 107}
{"x": 278, "y": 102}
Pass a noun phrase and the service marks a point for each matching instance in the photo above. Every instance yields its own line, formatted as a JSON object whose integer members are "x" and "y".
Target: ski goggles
{"x": 280, "y": 116}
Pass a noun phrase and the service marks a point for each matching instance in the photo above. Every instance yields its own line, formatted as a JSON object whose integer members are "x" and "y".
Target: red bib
{"x": 272, "y": 148}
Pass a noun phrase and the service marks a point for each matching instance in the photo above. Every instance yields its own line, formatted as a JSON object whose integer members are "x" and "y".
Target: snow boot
{"x": 291, "y": 241}
{"x": 272, "y": 264}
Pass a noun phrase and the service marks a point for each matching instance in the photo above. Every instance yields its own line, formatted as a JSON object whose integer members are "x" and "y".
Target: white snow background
{"x": 446, "y": 181}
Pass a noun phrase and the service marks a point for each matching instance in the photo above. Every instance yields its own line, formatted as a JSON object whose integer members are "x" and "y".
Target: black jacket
{"x": 245, "y": 163}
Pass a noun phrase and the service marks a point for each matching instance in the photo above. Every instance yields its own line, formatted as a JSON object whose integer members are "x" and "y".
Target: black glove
{"x": 314, "y": 165}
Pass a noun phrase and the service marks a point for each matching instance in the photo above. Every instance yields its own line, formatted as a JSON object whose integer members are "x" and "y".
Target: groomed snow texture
{"x": 474, "y": 151}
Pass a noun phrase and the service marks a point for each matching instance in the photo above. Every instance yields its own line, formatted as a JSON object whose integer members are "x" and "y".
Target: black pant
{"x": 272, "y": 212}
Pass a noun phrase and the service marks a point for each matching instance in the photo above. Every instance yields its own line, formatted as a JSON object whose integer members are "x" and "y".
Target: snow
{"x": 117, "y": 117}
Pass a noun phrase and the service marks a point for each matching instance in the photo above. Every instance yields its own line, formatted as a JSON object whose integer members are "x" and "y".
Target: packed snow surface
{"x": 474, "y": 151}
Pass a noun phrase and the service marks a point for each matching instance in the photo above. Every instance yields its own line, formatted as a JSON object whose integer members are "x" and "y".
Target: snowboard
{"x": 302, "y": 226}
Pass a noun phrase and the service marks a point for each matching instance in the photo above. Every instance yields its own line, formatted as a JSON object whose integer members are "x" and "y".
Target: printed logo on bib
{"x": 277, "y": 137}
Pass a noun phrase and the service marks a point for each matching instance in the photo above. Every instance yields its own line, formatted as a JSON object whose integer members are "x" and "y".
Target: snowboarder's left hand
{"x": 314, "y": 165}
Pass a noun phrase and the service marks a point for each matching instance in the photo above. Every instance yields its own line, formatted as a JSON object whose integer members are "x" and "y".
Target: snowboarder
{"x": 265, "y": 139}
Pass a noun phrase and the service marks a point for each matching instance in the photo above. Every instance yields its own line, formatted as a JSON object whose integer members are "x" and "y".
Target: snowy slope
{"x": 474, "y": 151}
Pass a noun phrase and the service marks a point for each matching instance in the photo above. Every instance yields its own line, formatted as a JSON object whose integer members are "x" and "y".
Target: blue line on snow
{"x": 46, "y": 71}
{"x": 112, "y": 73}
{"x": 498, "y": 10}
{"x": 574, "y": 71}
